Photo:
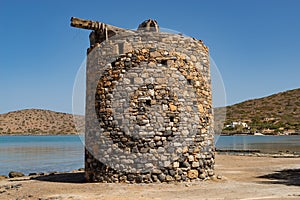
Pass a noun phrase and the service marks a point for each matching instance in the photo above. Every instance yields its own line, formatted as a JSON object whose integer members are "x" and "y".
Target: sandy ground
{"x": 243, "y": 177}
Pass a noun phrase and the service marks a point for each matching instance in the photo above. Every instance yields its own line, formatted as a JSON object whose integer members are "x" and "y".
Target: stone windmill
{"x": 148, "y": 105}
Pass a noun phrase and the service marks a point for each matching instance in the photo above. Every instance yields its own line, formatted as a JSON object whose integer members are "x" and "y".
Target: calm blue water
{"x": 65, "y": 153}
{"x": 40, "y": 153}
{"x": 266, "y": 144}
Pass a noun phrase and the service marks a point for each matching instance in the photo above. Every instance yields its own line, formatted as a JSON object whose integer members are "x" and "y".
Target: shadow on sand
{"x": 63, "y": 178}
{"x": 286, "y": 177}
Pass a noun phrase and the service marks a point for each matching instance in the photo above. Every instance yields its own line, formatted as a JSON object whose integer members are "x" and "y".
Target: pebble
{"x": 13, "y": 174}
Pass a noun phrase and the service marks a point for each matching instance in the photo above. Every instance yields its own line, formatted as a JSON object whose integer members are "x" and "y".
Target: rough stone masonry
{"x": 148, "y": 106}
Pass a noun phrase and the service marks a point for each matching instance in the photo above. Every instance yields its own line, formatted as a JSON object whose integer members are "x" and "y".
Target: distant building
{"x": 289, "y": 132}
{"x": 234, "y": 124}
{"x": 267, "y": 131}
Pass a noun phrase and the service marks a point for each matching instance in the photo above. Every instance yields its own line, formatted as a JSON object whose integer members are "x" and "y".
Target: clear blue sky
{"x": 254, "y": 43}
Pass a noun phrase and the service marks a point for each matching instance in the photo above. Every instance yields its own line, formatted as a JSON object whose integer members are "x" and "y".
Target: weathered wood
{"x": 100, "y": 31}
{"x": 93, "y": 25}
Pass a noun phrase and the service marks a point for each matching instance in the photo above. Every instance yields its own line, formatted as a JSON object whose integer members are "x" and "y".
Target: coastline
{"x": 217, "y": 152}
{"x": 64, "y": 134}
{"x": 253, "y": 134}
{"x": 238, "y": 177}
{"x": 30, "y": 134}
{"x": 57, "y": 134}
{"x": 39, "y": 167}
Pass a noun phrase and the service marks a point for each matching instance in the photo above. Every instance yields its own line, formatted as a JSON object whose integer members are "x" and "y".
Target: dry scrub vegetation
{"x": 36, "y": 121}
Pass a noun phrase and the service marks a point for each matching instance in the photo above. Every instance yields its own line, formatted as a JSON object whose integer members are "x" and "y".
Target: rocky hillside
{"x": 36, "y": 121}
{"x": 275, "y": 114}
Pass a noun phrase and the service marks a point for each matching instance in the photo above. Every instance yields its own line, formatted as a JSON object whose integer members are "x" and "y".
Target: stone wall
{"x": 149, "y": 109}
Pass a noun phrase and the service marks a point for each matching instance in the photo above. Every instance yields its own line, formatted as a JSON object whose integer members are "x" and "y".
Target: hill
{"x": 275, "y": 114}
{"x": 36, "y": 121}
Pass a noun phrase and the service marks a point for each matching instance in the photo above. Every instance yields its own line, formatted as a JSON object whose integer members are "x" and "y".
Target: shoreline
{"x": 240, "y": 177}
{"x": 28, "y": 134}
{"x": 218, "y": 153}
{"x": 54, "y": 134}
{"x": 251, "y": 134}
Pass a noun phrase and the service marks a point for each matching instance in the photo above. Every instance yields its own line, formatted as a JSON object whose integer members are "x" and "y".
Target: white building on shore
{"x": 234, "y": 124}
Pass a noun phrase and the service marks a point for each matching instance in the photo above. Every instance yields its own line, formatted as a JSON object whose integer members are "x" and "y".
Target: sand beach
{"x": 237, "y": 177}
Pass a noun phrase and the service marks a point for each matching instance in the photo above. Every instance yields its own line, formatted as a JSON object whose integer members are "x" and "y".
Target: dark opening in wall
{"x": 164, "y": 62}
{"x": 171, "y": 118}
{"x": 148, "y": 102}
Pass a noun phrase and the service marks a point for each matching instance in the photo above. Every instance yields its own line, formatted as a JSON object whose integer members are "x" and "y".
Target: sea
{"x": 34, "y": 154}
